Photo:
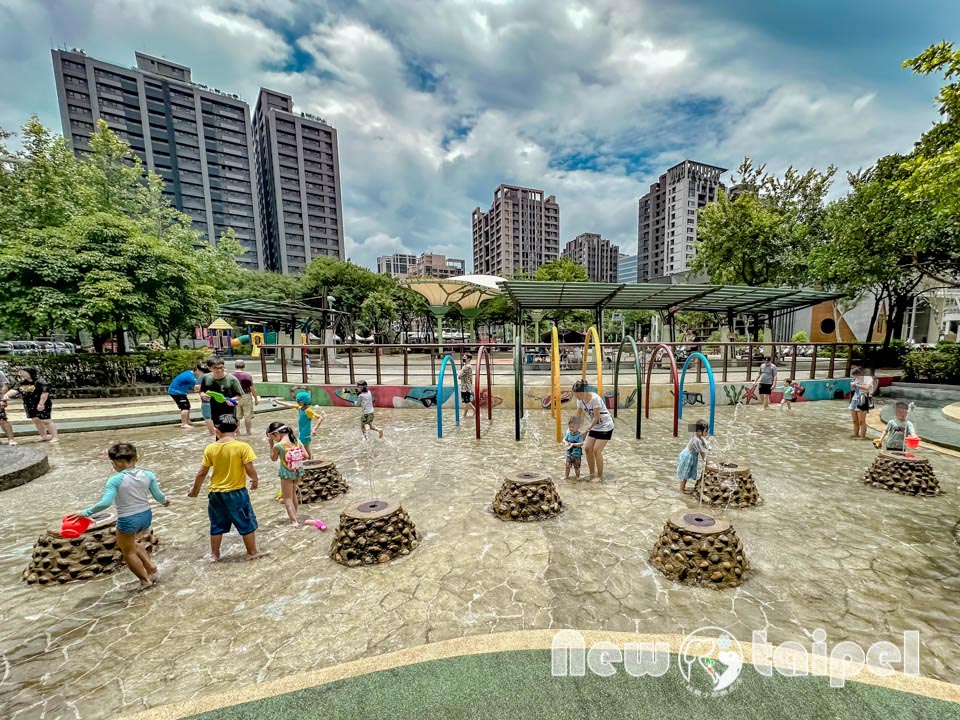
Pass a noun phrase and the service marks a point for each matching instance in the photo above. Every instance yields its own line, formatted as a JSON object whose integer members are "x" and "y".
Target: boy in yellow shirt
{"x": 228, "y": 502}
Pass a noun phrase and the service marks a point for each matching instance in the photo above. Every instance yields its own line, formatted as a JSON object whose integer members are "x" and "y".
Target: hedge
{"x": 94, "y": 370}
{"x": 939, "y": 365}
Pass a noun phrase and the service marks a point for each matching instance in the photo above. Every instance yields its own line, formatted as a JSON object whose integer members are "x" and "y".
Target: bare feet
{"x": 257, "y": 555}
{"x": 211, "y": 558}
{"x": 53, "y": 441}
{"x": 381, "y": 434}
{"x": 186, "y": 427}
{"x": 144, "y": 584}
{"x": 11, "y": 442}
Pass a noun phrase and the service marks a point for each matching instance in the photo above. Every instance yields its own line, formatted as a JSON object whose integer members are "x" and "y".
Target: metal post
{"x": 263, "y": 365}
{"x": 376, "y": 359}
{"x": 283, "y": 364}
{"x": 726, "y": 355}
{"x": 813, "y": 362}
{"x": 405, "y": 365}
{"x": 833, "y": 357}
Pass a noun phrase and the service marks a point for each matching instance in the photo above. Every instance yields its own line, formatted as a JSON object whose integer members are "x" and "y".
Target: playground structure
{"x": 638, "y": 366}
{"x": 556, "y": 409}
{"x": 713, "y": 387}
{"x": 483, "y": 359}
{"x": 676, "y": 387}
{"x": 448, "y": 360}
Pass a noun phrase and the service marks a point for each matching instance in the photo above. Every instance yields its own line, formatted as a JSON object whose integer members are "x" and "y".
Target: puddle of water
{"x": 827, "y": 552}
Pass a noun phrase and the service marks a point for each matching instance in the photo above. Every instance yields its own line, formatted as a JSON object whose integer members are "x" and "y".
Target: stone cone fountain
{"x": 903, "y": 473}
{"x": 527, "y": 496}
{"x": 727, "y": 484}
{"x": 58, "y": 559}
{"x": 371, "y": 532}
{"x": 321, "y": 481}
{"x": 700, "y": 550}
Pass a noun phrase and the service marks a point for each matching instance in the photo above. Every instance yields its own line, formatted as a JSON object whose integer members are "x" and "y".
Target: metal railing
{"x": 406, "y": 364}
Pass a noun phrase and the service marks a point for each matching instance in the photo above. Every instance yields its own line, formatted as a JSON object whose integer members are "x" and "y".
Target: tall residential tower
{"x": 596, "y": 255}
{"x": 519, "y": 233}
{"x": 197, "y": 138}
{"x": 298, "y": 164}
{"x": 667, "y": 217}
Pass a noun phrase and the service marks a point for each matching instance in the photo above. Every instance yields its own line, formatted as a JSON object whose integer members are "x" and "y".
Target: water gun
{"x": 318, "y": 524}
{"x": 220, "y": 397}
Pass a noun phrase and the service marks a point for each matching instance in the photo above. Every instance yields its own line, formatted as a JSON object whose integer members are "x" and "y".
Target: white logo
{"x": 711, "y": 661}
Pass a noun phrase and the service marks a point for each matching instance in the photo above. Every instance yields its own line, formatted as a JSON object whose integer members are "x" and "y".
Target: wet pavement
{"x": 826, "y": 551}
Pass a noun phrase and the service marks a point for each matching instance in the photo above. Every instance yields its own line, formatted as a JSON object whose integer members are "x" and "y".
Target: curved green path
{"x": 518, "y": 685}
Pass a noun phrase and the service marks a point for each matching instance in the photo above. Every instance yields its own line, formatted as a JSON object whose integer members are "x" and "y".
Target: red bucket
{"x": 912, "y": 442}
{"x": 74, "y": 527}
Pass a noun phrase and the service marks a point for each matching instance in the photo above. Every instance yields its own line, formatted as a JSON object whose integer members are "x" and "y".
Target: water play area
{"x": 825, "y": 551}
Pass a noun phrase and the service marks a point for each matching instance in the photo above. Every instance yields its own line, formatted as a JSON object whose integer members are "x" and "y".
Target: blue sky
{"x": 438, "y": 102}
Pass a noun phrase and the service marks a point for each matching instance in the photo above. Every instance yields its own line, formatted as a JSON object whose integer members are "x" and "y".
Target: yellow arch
{"x": 597, "y": 357}
{"x": 555, "y": 409}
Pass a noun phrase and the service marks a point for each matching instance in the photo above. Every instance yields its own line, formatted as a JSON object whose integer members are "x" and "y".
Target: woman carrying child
{"x": 285, "y": 447}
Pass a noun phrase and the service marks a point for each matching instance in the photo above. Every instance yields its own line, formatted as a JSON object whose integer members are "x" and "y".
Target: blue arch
{"x": 447, "y": 359}
{"x": 713, "y": 387}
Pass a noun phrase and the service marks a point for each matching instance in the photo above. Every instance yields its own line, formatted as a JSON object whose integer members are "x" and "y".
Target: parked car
{"x": 26, "y": 347}
{"x": 6, "y": 348}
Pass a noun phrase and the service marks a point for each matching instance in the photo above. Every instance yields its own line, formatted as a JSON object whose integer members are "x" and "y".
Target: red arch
{"x": 676, "y": 386}
{"x": 483, "y": 358}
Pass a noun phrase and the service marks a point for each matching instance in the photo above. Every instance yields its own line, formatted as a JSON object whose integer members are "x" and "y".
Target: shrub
{"x": 800, "y": 336}
{"x": 940, "y": 365}
{"x": 95, "y": 370}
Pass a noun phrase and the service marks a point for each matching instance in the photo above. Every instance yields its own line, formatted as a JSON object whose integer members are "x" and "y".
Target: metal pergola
{"x": 730, "y": 300}
{"x": 282, "y": 313}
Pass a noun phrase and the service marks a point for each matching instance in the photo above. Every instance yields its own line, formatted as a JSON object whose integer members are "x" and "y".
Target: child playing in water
{"x": 695, "y": 450}
{"x": 789, "y": 395}
{"x": 365, "y": 400}
{"x": 308, "y": 419}
{"x": 573, "y": 442}
{"x": 285, "y": 448}
{"x": 228, "y": 502}
{"x": 129, "y": 489}
{"x": 898, "y": 429}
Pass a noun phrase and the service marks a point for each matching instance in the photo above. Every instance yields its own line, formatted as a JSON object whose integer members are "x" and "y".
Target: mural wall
{"x": 538, "y": 396}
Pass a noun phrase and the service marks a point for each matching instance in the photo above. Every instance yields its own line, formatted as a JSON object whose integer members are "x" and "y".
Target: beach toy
{"x": 220, "y": 397}
{"x": 74, "y": 527}
{"x": 912, "y": 442}
{"x": 318, "y": 524}
{"x": 876, "y": 442}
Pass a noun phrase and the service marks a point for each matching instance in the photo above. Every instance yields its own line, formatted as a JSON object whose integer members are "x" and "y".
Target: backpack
{"x": 293, "y": 458}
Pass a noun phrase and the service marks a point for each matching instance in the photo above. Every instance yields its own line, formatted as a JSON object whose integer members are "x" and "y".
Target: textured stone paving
{"x": 825, "y": 551}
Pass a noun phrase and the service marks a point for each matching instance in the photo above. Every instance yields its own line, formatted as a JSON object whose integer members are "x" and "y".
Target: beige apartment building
{"x": 667, "y": 218}
{"x": 596, "y": 255}
{"x": 401, "y": 265}
{"x": 519, "y": 233}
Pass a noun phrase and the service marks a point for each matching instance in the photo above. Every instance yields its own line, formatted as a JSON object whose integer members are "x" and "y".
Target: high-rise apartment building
{"x": 197, "y": 138}
{"x": 298, "y": 165}
{"x": 596, "y": 255}
{"x": 667, "y": 217}
{"x": 627, "y": 269}
{"x": 396, "y": 265}
{"x": 519, "y": 233}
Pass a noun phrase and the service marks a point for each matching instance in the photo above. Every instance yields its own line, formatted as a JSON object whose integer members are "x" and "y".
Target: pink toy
{"x": 319, "y": 524}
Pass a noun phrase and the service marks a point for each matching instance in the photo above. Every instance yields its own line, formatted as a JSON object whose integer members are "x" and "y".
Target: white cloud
{"x": 438, "y": 103}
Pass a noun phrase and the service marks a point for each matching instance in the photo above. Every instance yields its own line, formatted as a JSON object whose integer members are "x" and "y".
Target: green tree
{"x": 561, "y": 270}
{"x": 932, "y": 171}
{"x": 264, "y": 285}
{"x": 378, "y": 312}
{"x": 761, "y": 236}
{"x": 350, "y": 284}
{"x": 880, "y": 242}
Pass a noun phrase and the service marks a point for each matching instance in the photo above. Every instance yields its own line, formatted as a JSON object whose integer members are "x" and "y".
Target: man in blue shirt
{"x": 185, "y": 382}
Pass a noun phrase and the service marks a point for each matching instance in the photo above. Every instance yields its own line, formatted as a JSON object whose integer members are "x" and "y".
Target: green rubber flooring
{"x": 518, "y": 685}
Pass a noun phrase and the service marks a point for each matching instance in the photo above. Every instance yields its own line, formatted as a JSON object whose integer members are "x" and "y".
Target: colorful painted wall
{"x": 661, "y": 395}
